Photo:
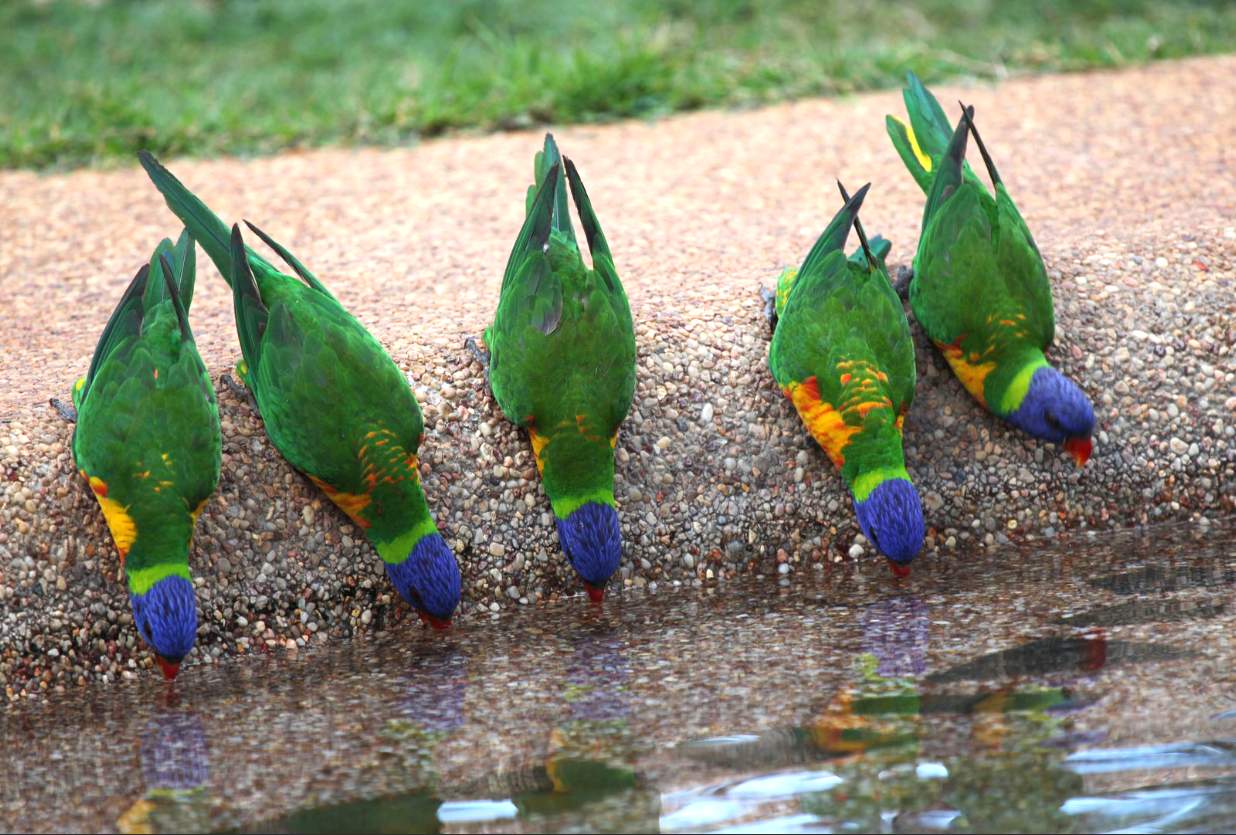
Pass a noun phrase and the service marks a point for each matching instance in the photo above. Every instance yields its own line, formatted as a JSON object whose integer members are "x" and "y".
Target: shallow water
{"x": 1086, "y": 687}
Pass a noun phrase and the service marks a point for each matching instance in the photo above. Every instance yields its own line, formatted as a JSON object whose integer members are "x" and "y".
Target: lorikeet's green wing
{"x": 147, "y": 437}
{"x": 333, "y": 402}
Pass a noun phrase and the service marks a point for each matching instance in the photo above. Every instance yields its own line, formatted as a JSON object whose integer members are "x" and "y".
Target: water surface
{"x": 1086, "y": 687}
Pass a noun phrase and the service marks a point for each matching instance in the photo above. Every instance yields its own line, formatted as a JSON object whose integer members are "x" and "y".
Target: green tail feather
{"x": 181, "y": 258}
{"x": 203, "y": 224}
{"x": 546, "y": 160}
{"x": 931, "y": 126}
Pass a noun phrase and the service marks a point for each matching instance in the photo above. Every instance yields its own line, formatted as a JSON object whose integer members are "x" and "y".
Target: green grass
{"x": 87, "y": 83}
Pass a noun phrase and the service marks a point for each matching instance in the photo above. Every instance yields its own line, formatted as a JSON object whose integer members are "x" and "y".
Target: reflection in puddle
{"x": 1057, "y": 655}
{"x": 175, "y": 766}
{"x": 1136, "y": 612}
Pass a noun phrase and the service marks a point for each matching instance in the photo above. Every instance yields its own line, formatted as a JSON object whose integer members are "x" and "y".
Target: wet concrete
{"x": 1084, "y": 688}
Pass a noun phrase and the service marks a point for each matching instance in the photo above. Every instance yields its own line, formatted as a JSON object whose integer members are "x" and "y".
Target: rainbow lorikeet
{"x": 332, "y": 400}
{"x": 562, "y": 364}
{"x": 842, "y": 353}
{"x": 147, "y": 442}
{"x": 979, "y": 287}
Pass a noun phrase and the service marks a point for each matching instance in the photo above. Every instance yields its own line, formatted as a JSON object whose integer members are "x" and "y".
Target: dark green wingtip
{"x": 587, "y": 217}
{"x": 948, "y": 175}
{"x": 858, "y": 227}
{"x": 173, "y": 292}
{"x": 967, "y": 114}
{"x": 835, "y": 234}
{"x": 249, "y": 310}
{"x": 128, "y": 308}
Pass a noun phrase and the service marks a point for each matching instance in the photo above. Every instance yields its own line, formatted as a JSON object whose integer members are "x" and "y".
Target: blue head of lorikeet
{"x": 166, "y": 617}
{"x": 1055, "y": 409}
{"x": 892, "y": 518}
{"x": 592, "y": 541}
{"x": 429, "y": 580}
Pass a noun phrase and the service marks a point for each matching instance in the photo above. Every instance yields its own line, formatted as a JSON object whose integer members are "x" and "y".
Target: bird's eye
{"x": 1052, "y": 422}
{"x": 148, "y": 631}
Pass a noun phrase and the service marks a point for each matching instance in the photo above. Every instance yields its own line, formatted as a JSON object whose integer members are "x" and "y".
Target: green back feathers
{"x": 562, "y": 344}
{"x": 842, "y": 349}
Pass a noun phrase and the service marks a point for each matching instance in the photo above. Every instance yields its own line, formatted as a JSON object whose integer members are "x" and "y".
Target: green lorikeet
{"x": 842, "y": 353}
{"x": 562, "y": 365}
{"x": 147, "y": 442}
{"x": 980, "y": 289}
{"x": 333, "y": 402}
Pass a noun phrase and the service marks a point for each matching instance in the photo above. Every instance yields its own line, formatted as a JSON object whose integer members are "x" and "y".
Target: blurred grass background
{"x": 90, "y": 82}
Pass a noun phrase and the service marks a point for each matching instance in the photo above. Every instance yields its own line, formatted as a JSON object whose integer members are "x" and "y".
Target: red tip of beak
{"x": 1080, "y": 449}
{"x": 898, "y": 569}
{"x": 595, "y": 593}
{"x": 169, "y": 668}
{"x": 439, "y": 624}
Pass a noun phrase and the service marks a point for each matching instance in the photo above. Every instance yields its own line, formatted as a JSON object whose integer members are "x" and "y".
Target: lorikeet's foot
{"x": 902, "y": 285}
{"x": 240, "y": 391}
{"x": 475, "y": 349}
{"x": 770, "y": 307}
{"x": 64, "y": 409}
{"x": 479, "y": 354}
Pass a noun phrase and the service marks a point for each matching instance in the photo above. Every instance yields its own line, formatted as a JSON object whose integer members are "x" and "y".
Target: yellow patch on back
{"x": 824, "y": 422}
{"x": 350, "y": 503}
{"x": 119, "y": 522}
{"x": 922, "y": 158}
{"x": 972, "y": 374}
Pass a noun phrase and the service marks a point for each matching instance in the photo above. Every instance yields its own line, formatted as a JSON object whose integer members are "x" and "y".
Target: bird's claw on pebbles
{"x": 770, "y": 307}
{"x": 237, "y": 390}
{"x": 479, "y": 353}
{"x": 63, "y": 409}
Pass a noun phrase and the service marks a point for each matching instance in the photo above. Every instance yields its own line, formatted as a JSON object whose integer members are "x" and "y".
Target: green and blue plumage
{"x": 332, "y": 401}
{"x": 562, "y": 363}
{"x": 980, "y": 289}
{"x": 842, "y": 353}
{"x": 147, "y": 442}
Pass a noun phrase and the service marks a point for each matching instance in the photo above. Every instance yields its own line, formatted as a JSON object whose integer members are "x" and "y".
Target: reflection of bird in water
{"x": 175, "y": 763}
{"x": 896, "y": 631}
{"x": 435, "y": 689}
{"x": 596, "y": 678}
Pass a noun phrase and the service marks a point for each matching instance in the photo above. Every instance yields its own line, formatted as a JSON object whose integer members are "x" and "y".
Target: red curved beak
{"x": 595, "y": 593}
{"x": 1080, "y": 449}
{"x": 169, "y": 668}
{"x": 898, "y": 569}
{"x": 439, "y": 624}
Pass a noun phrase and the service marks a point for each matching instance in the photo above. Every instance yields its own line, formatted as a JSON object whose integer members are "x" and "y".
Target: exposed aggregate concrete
{"x": 1125, "y": 179}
